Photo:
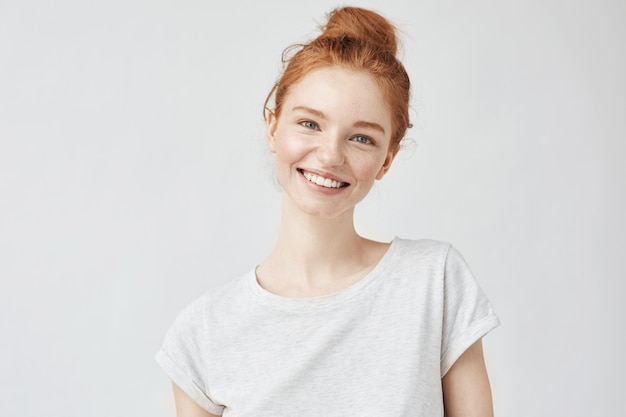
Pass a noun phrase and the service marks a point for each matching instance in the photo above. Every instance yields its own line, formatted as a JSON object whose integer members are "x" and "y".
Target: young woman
{"x": 332, "y": 323}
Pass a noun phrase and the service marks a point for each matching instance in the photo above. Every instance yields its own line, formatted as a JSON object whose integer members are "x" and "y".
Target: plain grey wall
{"x": 134, "y": 176}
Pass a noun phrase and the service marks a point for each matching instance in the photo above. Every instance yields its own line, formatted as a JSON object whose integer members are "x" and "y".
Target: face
{"x": 331, "y": 140}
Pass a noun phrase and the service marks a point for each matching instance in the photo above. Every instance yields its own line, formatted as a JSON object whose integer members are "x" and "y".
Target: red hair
{"x": 358, "y": 39}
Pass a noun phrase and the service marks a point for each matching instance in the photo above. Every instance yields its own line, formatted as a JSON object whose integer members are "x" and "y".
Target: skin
{"x": 186, "y": 407}
{"x": 466, "y": 389}
{"x": 332, "y": 124}
{"x": 335, "y": 124}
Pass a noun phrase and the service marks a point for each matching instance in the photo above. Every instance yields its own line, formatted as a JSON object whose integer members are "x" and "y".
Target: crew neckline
{"x": 348, "y": 292}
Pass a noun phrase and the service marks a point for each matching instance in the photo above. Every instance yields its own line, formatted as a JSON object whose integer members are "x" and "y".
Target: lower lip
{"x": 321, "y": 188}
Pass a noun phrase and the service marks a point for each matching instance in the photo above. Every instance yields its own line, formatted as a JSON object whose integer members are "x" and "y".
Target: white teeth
{"x": 324, "y": 182}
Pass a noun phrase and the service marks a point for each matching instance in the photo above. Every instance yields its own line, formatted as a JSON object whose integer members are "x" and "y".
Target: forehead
{"x": 341, "y": 93}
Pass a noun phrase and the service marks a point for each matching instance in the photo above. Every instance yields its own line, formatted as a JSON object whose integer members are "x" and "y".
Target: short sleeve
{"x": 182, "y": 356}
{"x": 467, "y": 312}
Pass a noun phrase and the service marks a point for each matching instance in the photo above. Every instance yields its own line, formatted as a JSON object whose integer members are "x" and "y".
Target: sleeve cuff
{"x": 467, "y": 339}
{"x": 185, "y": 383}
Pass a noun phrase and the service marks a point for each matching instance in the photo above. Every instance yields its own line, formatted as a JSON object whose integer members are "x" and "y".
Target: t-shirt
{"x": 378, "y": 347}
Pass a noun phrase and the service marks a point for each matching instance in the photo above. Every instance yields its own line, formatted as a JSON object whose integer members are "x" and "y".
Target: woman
{"x": 332, "y": 323}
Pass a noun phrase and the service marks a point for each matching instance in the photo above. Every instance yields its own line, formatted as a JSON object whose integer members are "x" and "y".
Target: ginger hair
{"x": 357, "y": 39}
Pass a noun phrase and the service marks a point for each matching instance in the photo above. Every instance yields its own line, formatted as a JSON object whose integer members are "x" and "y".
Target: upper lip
{"x": 323, "y": 174}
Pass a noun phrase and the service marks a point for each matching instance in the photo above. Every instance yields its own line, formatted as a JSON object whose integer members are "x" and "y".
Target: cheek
{"x": 284, "y": 153}
{"x": 367, "y": 168}
{"x": 288, "y": 149}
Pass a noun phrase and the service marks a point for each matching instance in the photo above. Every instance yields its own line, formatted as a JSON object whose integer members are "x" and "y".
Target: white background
{"x": 134, "y": 176}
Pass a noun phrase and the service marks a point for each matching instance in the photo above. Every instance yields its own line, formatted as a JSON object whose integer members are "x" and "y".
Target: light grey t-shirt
{"x": 378, "y": 347}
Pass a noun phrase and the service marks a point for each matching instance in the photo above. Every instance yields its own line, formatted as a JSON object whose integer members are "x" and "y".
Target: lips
{"x": 322, "y": 181}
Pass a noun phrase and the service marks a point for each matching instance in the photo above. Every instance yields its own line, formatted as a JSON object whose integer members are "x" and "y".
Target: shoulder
{"x": 427, "y": 245}
{"x": 214, "y": 303}
{"x": 427, "y": 249}
{"x": 437, "y": 259}
{"x": 424, "y": 251}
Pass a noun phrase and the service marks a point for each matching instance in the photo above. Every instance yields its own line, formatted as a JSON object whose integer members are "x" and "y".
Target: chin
{"x": 325, "y": 212}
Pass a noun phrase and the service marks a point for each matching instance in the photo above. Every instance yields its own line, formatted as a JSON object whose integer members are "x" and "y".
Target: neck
{"x": 315, "y": 255}
{"x": 309, "y": 238}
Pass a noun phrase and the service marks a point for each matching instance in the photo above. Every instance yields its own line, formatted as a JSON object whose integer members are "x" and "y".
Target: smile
{"x": 323, "y": 182}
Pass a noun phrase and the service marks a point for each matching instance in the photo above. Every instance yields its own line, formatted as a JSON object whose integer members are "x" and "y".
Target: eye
{"x": 362, "y": 139}
{"x": 309, "y": 124}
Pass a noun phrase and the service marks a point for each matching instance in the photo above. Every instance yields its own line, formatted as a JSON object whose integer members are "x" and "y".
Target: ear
{"x": 270, "y": 135}
{"x": 387, "y": 164}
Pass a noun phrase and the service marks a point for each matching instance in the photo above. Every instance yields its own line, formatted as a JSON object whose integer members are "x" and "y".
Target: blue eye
{"x": 362, "y": 139}
{"x": 309, "y": 124}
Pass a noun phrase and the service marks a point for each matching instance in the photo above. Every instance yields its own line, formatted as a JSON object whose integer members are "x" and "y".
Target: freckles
{"x": 285, "y": 147}
{"x": 367, "y": 166}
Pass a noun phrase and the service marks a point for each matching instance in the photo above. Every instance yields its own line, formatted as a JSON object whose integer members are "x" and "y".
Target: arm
{"x": 466, "y": 391}
{"x": 186, "y": 407}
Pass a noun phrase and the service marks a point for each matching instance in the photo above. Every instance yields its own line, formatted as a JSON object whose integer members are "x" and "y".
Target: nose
{"x": 330, "y": 151}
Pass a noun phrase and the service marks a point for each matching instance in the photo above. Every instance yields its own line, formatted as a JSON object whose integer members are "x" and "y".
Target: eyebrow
{"x": 359, "y": 123}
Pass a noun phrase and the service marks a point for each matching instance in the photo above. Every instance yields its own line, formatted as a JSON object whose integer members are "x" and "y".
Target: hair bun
{"x": 360, "y": 40}
{"x": 365, "y": 25}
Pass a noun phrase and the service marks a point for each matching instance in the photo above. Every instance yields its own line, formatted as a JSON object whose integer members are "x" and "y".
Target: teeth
{"x": 324, "y": 182}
